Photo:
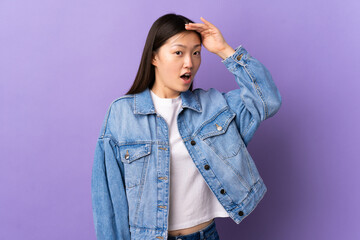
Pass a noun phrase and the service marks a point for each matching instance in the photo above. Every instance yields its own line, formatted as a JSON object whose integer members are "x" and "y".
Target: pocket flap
{"x": 218, "y": 125}
{"x": 132, "y": 152}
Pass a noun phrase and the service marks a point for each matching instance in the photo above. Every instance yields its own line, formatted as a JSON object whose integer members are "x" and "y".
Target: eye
{"x": 177, "y": 52}
{"x": 197, "y": 52}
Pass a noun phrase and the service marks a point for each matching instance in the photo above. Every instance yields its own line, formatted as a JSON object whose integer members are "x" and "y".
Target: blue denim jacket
{"x": 131, "y": 169}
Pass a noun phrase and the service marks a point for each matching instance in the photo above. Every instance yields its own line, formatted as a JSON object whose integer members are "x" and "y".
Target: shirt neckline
{"x": 167, "y": 101}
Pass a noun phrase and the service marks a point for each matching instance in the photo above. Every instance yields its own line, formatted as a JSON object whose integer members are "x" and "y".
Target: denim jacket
{"x": 131, "y": 169}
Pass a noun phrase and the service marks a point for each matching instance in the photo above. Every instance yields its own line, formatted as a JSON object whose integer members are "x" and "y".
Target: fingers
{"x": 206, "y": 22}
{"x": 203, "y": 26}
{"x": 197, "y": 26}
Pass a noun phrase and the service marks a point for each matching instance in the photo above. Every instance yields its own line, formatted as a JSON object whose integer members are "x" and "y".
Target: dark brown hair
{"x": 162, "y": 29}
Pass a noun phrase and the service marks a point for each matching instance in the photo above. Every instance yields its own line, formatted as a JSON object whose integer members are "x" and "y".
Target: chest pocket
{"x": 135, "y": 158}
{"x": 222, "y": 135}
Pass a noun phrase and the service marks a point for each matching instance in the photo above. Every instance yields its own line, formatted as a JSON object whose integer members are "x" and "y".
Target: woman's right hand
{"x": 212, "y": 39}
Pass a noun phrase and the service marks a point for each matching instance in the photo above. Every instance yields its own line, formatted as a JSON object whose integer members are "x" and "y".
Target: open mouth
{"x": 186, "y": 76}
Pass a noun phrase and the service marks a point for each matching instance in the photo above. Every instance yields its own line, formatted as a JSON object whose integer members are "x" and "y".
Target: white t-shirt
{"x": 191, "y": 200}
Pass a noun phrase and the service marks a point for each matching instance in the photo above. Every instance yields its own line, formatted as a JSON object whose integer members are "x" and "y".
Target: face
{"x": 179, "y": 55}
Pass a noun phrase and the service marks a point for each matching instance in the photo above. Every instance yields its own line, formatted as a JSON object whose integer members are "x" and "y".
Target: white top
{"x": 191, "y": 200}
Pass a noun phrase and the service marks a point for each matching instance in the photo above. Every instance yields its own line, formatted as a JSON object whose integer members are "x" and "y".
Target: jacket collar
{"x": 143, "y": 103}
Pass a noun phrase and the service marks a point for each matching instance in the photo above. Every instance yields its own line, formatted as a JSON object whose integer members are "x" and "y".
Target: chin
{"x": 184, "y": 89}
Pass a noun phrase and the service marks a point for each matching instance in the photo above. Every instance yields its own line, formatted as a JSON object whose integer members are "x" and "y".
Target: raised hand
{"x": 212, "y": 39}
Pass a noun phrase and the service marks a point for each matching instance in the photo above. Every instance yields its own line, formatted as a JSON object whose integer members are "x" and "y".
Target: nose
{"x": 188, "y": 62}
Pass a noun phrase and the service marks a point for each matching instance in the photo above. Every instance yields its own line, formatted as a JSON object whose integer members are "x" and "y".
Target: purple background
{"x": 63, "y": 62}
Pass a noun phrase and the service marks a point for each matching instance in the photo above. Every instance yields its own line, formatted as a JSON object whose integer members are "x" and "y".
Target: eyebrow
{"x": 180, "y": 45}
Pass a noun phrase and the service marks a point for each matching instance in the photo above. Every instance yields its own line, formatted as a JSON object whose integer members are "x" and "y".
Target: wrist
{"x": 226, "y": 52}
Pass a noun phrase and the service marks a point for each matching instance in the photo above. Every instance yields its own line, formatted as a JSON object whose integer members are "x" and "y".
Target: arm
{"x": 257, "y": 98}
{"x": 109, "y": 202}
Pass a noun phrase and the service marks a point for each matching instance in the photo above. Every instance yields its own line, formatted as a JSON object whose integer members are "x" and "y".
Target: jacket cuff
{"x": 240, "y": 56}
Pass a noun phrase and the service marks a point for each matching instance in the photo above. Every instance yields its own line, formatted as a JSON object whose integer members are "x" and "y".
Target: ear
{"x": 153, "y": 60}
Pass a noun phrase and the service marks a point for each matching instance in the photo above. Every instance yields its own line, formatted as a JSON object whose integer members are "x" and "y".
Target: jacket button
{"x": 193, "y": 142}
{"x": 127, "y": 154}
{"x": 222, "y": 191}
{"x": 239, "y": 57}
{"x": 241, "y": 213}
{"x": 207, "y": 167}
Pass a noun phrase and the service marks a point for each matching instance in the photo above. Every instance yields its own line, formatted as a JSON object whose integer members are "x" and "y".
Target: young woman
{"x": 170, "y": 159}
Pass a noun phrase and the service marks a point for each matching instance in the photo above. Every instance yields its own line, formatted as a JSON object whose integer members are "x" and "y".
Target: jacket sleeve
{"x": 257, "y": 97}
{"x": 109, "y": 202}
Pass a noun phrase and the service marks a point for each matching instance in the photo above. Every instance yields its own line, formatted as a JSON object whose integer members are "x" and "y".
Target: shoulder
{"x": 203, "y": 94}
{"x": 211, "y": 94}
{"x": 123, "y": 100}
{"x": 211, "y": 100}
{"x": 118, "y": 107}
{"x": 121, "y": 103}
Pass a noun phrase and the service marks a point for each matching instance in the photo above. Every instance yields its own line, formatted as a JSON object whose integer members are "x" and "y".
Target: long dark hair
{"x": 162, "y": 29}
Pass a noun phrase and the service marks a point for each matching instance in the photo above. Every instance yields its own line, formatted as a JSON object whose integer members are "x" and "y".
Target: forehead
{"x": 184, "y": 39}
